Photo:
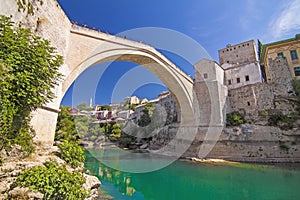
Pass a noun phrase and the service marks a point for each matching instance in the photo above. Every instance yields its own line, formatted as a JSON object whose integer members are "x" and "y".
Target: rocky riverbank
{"x": 13, "y": 164}
{"x": 244, "y": 143}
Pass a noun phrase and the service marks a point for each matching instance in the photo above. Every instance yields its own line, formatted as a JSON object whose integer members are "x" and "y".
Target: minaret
{"x": 91, "y": 102}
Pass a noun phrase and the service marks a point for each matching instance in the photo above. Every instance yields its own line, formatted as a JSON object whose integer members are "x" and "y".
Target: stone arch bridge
{"x": 83, "y": 48}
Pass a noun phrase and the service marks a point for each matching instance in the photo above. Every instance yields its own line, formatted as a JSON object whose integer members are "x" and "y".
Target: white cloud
{"x": 287, "y": 21}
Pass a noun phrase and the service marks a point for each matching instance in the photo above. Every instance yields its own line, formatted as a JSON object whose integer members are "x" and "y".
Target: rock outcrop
{"x": 14, "y": 165}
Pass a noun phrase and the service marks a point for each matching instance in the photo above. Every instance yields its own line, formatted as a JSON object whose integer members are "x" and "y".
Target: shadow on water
{"x": 189, "y": 180}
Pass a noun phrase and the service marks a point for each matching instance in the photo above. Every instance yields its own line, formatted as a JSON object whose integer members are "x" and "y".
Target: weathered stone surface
{"x": 144, "y": 146}
{"x": 92, "y": 182}
{"x": 257, "y": 144}
{"x": 24, "y": 193}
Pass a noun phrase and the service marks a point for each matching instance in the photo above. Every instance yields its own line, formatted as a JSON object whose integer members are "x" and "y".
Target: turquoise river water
{"x": 188, "y": 180}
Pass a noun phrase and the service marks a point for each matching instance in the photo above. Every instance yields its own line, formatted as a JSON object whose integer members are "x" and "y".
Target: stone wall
{"x": 242, "y": 53}
{"x": 252, "y": 143}
{"x": 47, "y": 20}
{"x": 256, "y": 98}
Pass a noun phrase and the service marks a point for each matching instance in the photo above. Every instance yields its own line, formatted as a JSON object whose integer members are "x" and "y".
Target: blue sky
{"x": 213, "y": 24}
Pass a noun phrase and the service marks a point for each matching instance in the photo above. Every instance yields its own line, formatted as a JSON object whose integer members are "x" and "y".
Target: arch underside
{"x": 179, "y": 85}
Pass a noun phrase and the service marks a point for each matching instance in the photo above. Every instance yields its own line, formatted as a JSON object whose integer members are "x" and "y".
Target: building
{"x": 138, "y": 111}
{"x": 117, "y": 105}
{"x": 165, "y": 104}
{"x": 132, "y": 100}
{"x": 289, "y": 49}
{"x": 240, "y": 64}
{"x": 125, "y": 114}
{"x": 143, "y": 101}
{"x": 74, "y": 111}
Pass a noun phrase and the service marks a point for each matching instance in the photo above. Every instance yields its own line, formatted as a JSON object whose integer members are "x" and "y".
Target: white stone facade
{"x": 238, "y": 76}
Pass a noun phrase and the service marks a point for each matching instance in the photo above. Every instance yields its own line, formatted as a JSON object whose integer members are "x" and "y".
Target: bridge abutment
{"x": 44, "y": 123}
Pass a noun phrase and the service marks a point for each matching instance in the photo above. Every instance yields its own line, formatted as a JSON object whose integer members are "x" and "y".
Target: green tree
{"x": 83, "y": 106}
{"x": 29, "y": 70}
{"x": 234, "y": 119}
{"x": 146, "y": 116}
{"x": 116, "y": 130}
{"x": 65, "y": 127}
{"x": 82, "y": 123}
{"x": 105, "y": 107}
{"x": 66, "y": 133}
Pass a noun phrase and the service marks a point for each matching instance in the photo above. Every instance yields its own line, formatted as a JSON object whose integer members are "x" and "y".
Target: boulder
{"x": 92, "y": 182}
{"x": 144, "y": 146}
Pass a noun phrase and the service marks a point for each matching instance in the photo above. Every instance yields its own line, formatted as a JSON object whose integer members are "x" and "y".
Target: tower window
{"x": 229, "y": 82}
{"x": 248, "y": 103}
{"x": 238, "y": 80}
{"x": 205, "y": 75}
{"x": 247, "y": 78}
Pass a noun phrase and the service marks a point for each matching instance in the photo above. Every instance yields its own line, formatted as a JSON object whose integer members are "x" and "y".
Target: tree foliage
{"x": 29, "y": 70}
{"x": 105, "y": 107}
{"x": 72, "y": 153}
{"x": 116, "y": 130}
{"x": 146, "y": 116}
{"x": 65, "y": 127}
{"x": 83, "y": 106}
{"x": 66, "y": 133}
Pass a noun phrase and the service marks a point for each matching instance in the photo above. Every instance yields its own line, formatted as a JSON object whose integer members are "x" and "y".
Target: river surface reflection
{"x": 188, "y": 180}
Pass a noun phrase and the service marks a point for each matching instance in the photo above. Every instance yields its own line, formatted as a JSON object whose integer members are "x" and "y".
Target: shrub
{"x": 54, "y": 181}
{"x": 234, "y": 119}
{"x": 72, "y": 153}
{"x": 283, "y": 121}
{"x": 125, "y": 141}
{"x": 277, "y": 117}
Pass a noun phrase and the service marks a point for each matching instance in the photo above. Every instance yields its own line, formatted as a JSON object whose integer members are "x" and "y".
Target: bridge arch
{"x": 88, "y": 48}
{"x": 180, "y": 86}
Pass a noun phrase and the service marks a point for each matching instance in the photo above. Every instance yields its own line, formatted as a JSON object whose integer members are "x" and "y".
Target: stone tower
{"x": 240, "y": 64}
